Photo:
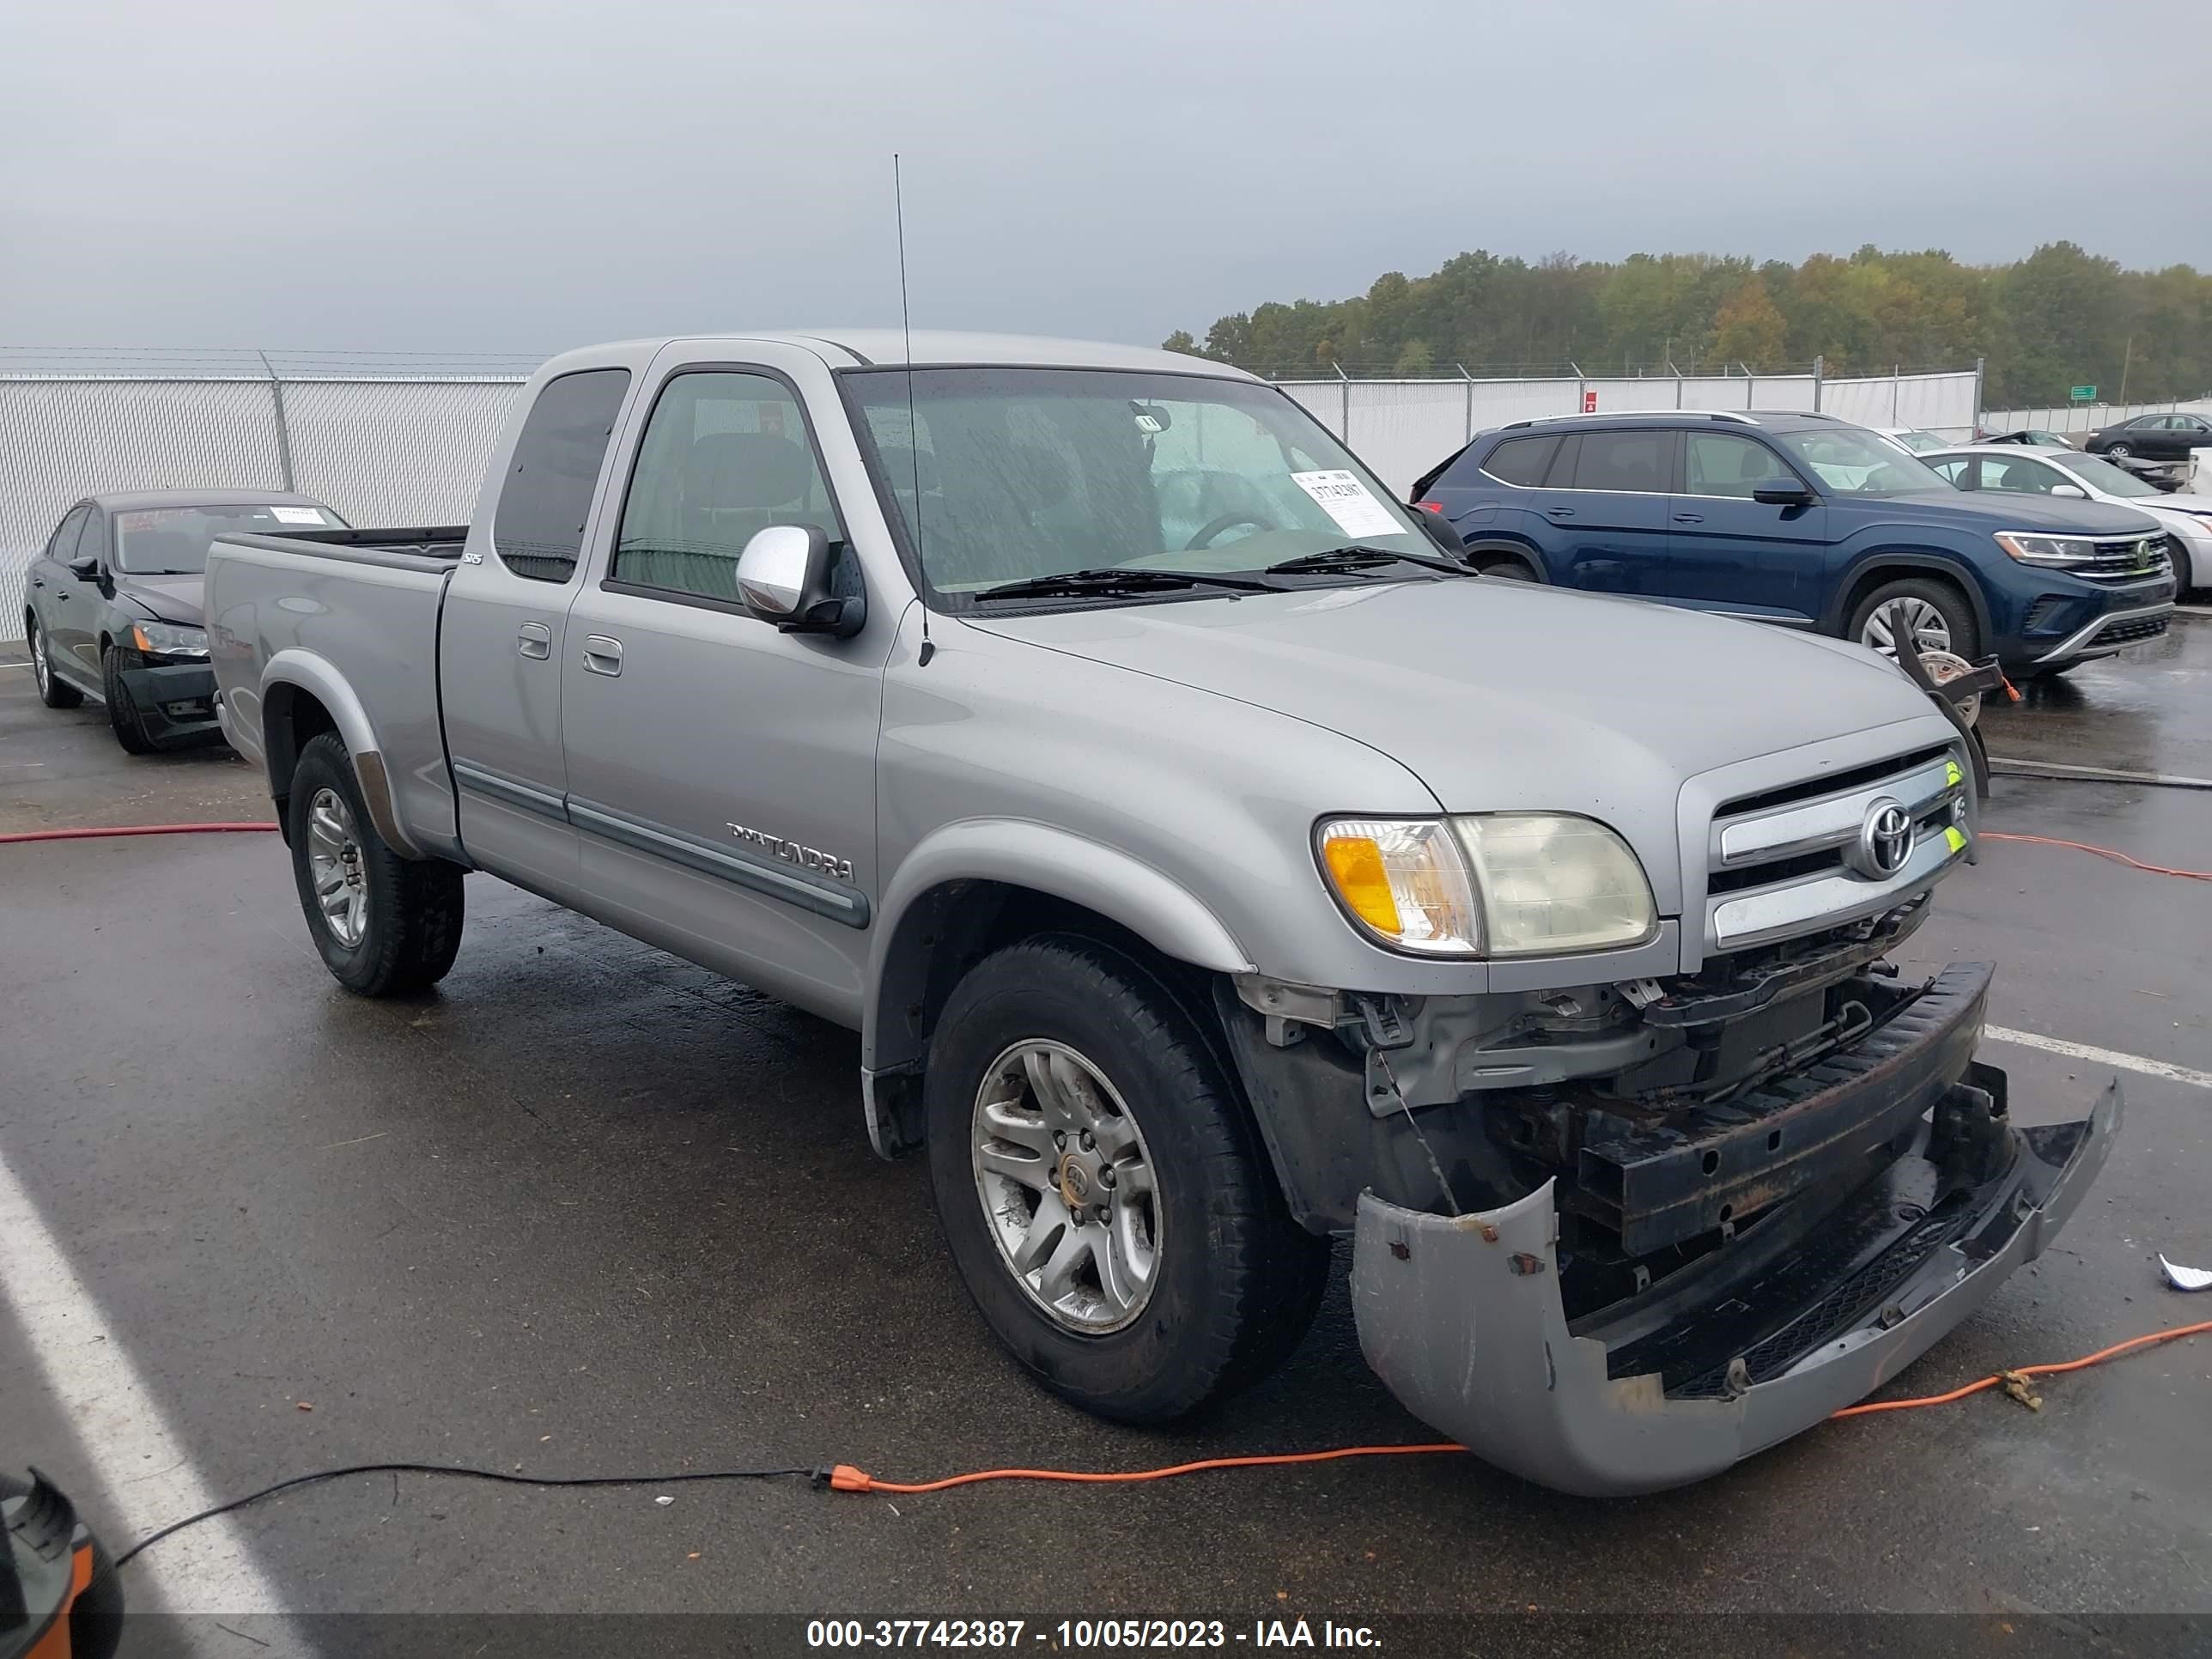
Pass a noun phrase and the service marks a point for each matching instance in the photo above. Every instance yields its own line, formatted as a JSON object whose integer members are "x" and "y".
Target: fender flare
{"x": 315, "y": 675}
{"x": 1512, "y": 547}
{"x": 1020, "y": 852}
{"x": 1884, "y": 564}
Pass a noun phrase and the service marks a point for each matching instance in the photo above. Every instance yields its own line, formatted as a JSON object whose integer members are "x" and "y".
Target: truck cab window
{"x": 725, "y": 455}
{"x": 547, "y": 494}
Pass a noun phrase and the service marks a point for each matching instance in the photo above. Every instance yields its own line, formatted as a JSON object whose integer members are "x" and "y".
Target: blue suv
{"x": 1809, "y": 521}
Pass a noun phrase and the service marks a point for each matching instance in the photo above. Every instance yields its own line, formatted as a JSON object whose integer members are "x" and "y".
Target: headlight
{"x": 158, "y": 639}
{"x": 2047, "y": 549}
{"x": 1495, "y": 885}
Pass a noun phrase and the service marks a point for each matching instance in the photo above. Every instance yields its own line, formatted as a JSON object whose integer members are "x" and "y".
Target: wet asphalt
{"x": 585, "y": 1208}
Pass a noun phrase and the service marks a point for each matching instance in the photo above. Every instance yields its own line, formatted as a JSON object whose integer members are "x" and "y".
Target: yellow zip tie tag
{"x": 1955, "y": 839}
{"x": 1952, "y": 774}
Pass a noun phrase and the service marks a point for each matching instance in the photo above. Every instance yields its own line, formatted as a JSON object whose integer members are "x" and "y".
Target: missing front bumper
{"x": 1462, "y": 1318}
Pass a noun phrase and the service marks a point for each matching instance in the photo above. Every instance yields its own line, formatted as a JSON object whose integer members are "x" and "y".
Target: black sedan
{"x": 113, "y": 607}
{"x": 2153, "y": 437}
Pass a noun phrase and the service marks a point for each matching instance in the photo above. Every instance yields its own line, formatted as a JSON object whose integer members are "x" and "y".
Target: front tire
{"x": 1102, "y": 1189}
{"x": 1936, "y": 614}
{"x": 123, "y": 717}
{"x": 53, "y": 692}
{"x": 383, "y": 924}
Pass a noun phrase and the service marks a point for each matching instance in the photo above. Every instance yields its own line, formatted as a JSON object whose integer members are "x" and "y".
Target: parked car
{"x": 111, "y": 605}
{"x": 1912, "y": 438}
{"x": 2034, "y": 437}
{"x": 2187, "y": 519}
{"x": 1806, "y": 521}
{"x": 2153, "y": 438}
{"x": 1210, "y": 866}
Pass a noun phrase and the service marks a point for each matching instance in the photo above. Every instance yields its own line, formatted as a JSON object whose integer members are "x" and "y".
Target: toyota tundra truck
{"x": 1211, "y": 866}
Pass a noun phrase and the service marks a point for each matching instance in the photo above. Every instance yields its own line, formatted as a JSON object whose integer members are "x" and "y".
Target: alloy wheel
{"x": 1067, "y": 1186}
{"x": 1914, "y": 618}
{"x": 334, "y": 859}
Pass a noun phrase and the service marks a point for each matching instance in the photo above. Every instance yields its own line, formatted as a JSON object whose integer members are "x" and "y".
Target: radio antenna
{"x": 912, "y": 430}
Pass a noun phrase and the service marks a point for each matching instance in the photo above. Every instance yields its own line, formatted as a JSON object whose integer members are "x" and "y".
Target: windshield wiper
{"x": 1111, "y": 579}
{"x": 1358, "y": 558}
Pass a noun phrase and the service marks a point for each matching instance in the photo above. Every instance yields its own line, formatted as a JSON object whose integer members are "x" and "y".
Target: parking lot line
{"x": 150, "y": 1481}
{"x": 2101, "y": 1056}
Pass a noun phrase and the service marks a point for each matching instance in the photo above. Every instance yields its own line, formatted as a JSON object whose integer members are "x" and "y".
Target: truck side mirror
{"x": 1781, "y": 492}
{"x": 786, "y": 576}
{"x": 86, "y": 569}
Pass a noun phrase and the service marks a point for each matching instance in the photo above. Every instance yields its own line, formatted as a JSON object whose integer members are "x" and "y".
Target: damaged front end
{"x": 1615, "y": 1237}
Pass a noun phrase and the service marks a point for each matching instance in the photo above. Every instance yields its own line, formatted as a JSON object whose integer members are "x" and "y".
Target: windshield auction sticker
{"x": 1350, "y": 503}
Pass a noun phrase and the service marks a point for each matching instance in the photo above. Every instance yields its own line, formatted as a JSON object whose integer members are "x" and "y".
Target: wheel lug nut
{"x": 1058, "y": 1139}
{"x": 1086, "y": 1140}
{"x": 1106, "y": 1177}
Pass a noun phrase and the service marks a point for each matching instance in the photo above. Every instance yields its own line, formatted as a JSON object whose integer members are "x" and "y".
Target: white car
{"x": 2065, "y": 472}
{"x": 1913, "y": 441}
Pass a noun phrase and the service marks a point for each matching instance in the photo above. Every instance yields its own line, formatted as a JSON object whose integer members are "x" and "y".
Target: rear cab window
{"x": 1523, "y": 461}
{"x": 546, "y": 496}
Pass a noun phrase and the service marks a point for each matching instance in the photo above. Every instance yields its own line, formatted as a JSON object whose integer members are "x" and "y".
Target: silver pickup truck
{"x": 1210, "y": 866}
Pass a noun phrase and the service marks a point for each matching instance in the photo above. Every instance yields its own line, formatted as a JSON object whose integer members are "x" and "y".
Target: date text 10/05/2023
{"x": 1085, "y": 1633}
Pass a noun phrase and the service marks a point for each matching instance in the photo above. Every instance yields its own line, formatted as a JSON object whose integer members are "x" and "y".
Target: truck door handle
{"x": 534, "y": 640}
{"x": 602, "y": 655}
{"x": 1689, "y": 518}
{"x": 38, "y": 582}
{"x": 1558, "y": 512}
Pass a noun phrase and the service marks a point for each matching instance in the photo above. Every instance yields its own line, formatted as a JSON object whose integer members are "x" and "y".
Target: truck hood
{"x": 1952, "y": 509}
{"x": 1502, "y": 696}
{"x": 165, "y": 598}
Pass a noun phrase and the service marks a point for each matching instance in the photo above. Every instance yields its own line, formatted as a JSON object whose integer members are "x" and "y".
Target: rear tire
{"x": 1506, "y": 567}
{"x": 2119, "y": 452}
{"x": 1940, "y": 616}
{"x": 387, "y": 924}
{"x": 53, "y": 692}
{"x": 122, "y": 714}
{"x": 1228, "y": 1282}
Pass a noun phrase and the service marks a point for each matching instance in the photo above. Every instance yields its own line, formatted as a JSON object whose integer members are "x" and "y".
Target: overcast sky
{"x": 525, "y": 175}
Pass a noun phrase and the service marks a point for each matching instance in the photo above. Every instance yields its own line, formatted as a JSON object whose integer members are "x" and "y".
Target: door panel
{"x": 505, "y": 620}
{"x": 1728, "y": 552}
{"x": 72, "y": 605}
{"x": 721, "y": 772}
{"x": 1608, "y": 528}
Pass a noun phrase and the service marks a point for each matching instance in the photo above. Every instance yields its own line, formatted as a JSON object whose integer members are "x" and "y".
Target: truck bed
{"x": 344, "y": 621}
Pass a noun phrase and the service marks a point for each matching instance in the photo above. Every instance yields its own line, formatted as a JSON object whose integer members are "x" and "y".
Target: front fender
{"x": 1020, "y": 852}
{"x": 317, "y": 676}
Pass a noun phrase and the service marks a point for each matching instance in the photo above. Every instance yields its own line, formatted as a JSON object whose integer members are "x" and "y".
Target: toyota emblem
{"x": 1885, "y": 839}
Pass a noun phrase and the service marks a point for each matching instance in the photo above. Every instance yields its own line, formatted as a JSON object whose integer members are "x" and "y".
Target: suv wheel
{"x": 382, "y": 923}
{"x": 122, "y": 712}
{"x": 53, "y": 691}
{"x": 1934, "y": 614}
{"x": 1103, "y": 1189}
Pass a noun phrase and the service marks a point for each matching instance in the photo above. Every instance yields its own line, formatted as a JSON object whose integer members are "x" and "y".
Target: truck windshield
{"x": 1857, "y": 462}
{"x": 173, "y": 540}
{"x": 1026, "y": 473}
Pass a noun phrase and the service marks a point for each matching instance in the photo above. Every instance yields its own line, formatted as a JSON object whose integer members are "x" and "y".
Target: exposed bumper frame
{"x": 1461, "y": 1317}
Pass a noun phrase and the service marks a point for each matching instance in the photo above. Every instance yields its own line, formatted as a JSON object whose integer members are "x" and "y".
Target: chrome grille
{"x": 1790, "y": 862}
{"x": 2131, "y": 559}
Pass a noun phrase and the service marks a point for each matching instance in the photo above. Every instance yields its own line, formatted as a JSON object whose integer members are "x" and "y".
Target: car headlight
{"x": 1491, "y": 884}
{"x": 161, "y": 639}
{"x": 2047, "y": 551}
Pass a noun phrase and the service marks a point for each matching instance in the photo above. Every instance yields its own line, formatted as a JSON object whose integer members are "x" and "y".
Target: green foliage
{"x": 2061, "y": 317}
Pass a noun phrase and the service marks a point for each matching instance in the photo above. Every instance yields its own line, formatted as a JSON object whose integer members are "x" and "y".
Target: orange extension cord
{"x": 845, "y": 1477}
{"x": 2102, "y": 853}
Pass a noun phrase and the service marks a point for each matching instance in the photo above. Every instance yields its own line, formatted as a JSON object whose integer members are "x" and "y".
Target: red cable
{"x": 134, "y": 830}
{"x": 2102, "y": 853}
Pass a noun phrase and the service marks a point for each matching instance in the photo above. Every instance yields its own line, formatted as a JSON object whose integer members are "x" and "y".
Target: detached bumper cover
{"x": 174, "y": 700}
{"x": 1461, "y": 1317}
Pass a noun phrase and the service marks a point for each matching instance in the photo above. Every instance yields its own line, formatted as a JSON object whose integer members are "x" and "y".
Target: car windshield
{"x": 1857, "y": 462}
{"x": 1026, "y": 473}
{"x": 1919, "y": 442}
{"x": 2100, "y": 474}
{"x": 173, "y": 540}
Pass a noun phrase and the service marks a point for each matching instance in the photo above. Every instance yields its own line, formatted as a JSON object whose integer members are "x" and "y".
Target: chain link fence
{"x": 391, "y": 444}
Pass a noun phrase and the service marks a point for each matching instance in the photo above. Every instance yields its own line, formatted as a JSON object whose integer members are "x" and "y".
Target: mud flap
{"x": 1462, "y": 1318}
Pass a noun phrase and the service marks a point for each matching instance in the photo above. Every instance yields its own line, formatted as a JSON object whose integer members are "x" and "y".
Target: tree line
{"x": 2059, "y": 319}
